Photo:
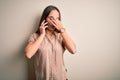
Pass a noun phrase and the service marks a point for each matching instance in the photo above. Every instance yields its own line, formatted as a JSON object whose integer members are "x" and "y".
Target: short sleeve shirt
{"x": 49, "y": 60}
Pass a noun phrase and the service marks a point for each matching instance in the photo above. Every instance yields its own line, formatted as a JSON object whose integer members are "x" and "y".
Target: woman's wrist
{"x": 62, "y": 30}
{"x": 42, "y": 34}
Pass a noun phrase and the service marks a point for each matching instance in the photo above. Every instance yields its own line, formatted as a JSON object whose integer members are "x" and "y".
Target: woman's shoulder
{"x": 35, "y": 35}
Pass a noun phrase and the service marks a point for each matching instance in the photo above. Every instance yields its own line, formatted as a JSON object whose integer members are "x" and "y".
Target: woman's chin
{"x": 52, "y": 28}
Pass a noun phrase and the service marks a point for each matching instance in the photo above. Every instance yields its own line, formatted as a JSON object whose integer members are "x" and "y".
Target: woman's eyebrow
{"x": 50, "y": 16}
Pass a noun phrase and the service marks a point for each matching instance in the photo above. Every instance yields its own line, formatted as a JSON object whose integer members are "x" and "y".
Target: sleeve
{"x": 32, "y": 37}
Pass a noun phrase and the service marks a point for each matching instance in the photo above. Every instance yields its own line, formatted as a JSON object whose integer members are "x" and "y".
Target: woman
{"x": 48, "y": 44}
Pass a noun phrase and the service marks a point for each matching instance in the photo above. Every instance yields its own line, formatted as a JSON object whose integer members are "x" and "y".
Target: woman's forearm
{"x": 69, "y": 44}
{"x": 32, "y": 47}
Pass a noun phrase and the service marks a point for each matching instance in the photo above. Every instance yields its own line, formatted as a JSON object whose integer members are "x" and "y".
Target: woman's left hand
{"x": 56, "y": 23}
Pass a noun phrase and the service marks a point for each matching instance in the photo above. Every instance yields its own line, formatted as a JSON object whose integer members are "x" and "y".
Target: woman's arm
{"x": 32, "y": 47}
{"x": 68, "y": 42}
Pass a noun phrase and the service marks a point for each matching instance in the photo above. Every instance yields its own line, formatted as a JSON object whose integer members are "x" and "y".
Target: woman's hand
{"x": 42, "y": 27}
{"x": 56, "y": 23}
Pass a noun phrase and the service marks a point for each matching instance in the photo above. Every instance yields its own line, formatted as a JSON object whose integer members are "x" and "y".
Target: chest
{"x": 51, "y": 46}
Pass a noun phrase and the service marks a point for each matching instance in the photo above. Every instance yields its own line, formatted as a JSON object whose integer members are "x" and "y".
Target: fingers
{"x": 44, "y": 24}
{"x": 53, "y": 22}
{"x": 45, "y": 27}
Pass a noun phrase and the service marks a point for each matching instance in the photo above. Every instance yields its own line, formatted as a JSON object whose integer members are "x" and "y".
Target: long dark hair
{"x": 45, "y": 14}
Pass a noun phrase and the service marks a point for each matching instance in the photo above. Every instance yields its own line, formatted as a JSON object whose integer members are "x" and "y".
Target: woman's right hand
{"x": 42, "y": 27}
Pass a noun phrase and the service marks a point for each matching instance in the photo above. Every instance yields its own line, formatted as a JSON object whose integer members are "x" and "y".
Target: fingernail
{"x": 46, "y": 26}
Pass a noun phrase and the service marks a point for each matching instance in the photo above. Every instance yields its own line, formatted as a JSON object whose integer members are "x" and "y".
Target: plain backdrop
{"x": 94, "y": 25}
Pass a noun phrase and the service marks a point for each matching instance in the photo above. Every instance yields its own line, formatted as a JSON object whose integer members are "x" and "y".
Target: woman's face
{"x": 53, "y": 14}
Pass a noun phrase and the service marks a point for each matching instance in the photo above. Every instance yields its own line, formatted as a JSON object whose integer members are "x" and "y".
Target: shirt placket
{"x": 51, "y": 59}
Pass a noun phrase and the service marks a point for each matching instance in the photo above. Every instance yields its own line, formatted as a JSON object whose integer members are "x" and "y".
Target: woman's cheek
{"x": 49, "y": 23}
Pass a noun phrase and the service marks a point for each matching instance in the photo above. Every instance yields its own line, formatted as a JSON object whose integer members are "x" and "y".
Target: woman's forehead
{"x": 54, "y": 13}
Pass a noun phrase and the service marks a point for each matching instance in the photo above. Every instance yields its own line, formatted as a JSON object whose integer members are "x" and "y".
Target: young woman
{"x": 48, "y": 44}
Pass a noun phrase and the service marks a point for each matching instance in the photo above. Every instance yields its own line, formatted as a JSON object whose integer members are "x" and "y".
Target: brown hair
{"x": 45, "y": 14}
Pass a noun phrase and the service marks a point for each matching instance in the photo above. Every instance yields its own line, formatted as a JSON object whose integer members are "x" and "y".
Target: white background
{"x": 94, "y": 25}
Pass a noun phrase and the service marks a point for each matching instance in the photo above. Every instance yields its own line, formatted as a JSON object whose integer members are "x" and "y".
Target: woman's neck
{"x": 49, "y": 32}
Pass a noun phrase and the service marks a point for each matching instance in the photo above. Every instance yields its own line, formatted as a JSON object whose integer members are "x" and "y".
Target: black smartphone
{"x": 46, "y": 25}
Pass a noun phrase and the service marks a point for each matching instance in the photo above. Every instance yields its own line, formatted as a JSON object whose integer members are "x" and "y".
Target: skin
{"x": 53, "y": 23}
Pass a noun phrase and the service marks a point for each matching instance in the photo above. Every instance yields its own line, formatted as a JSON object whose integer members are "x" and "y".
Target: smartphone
{"x": 46, "y": 24}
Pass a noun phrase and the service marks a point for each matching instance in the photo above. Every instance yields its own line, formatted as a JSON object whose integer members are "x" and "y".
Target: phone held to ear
{"x": 46, "y": 25}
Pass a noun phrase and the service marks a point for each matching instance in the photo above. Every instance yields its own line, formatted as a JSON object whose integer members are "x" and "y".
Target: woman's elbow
{"x": 73, "y": 51}
{"x": 27, "y": 54}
